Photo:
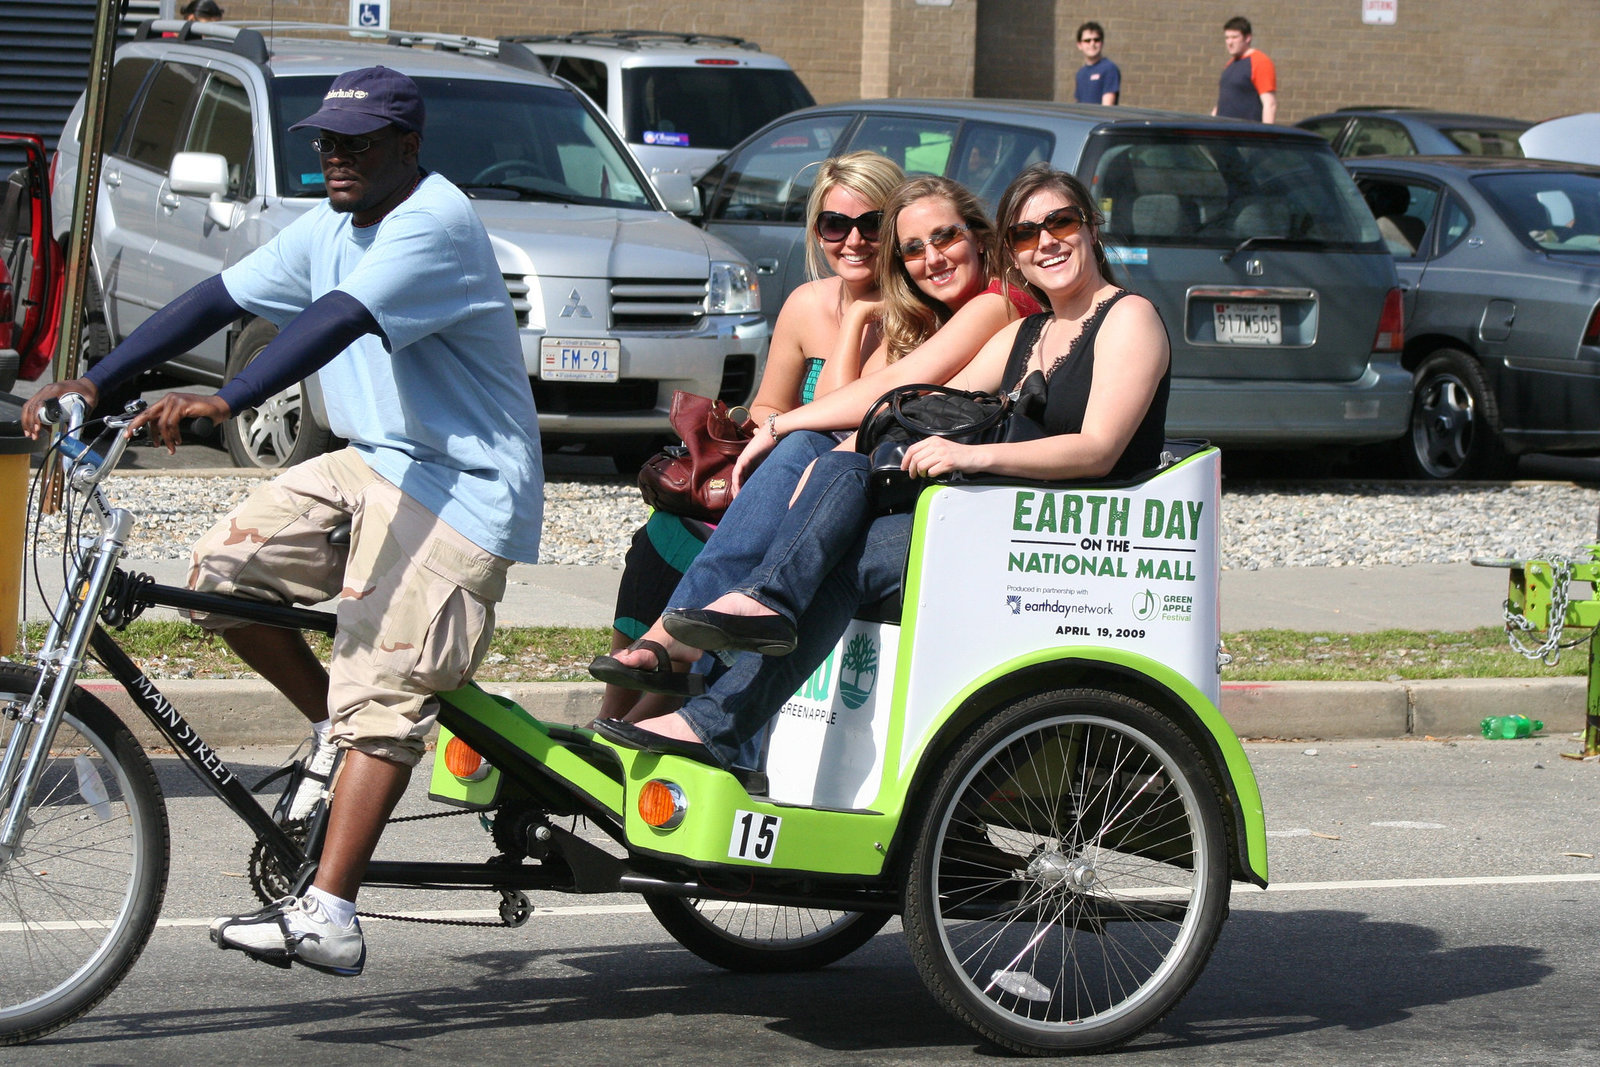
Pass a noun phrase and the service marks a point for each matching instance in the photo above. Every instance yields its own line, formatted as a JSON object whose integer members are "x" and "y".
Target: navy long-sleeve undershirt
{"x": 311, "y": 339}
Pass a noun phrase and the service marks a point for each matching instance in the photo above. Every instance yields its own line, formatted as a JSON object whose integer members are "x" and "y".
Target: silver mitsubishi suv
{"x": 619, "y": 301}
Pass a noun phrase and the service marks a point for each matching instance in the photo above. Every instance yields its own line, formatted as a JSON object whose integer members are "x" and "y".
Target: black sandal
{"x": 663, "y": 679}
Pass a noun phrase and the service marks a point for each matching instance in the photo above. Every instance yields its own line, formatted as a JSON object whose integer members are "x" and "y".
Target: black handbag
{"x": 909, "y": 413}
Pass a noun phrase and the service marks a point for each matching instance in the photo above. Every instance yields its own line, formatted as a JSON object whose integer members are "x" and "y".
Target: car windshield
{"x": 1214, "y": 190}
{"x": 495, "y": 140}
{"x": 1487, "y": 142}
{"x": 1552, "y": 210}
{"x": 706, "y": 107}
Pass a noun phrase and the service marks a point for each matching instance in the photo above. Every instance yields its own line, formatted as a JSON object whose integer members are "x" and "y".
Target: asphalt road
{"x": 1423, "y": 911}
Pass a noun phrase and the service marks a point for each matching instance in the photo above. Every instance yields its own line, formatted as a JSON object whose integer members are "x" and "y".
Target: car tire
{"x": 280, "y": 431}
{"x": 94, "y": 344}
{"x": 631, "y": 453}
{"x": 1454, "y": 422}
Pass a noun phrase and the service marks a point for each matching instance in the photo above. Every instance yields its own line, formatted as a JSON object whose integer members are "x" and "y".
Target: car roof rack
{"x": 253, "y": 39}
{"x": 635, "y": 39}
{"x": 242, "y": 40}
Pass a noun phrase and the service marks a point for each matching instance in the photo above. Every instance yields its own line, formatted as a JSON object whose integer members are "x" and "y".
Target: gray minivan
{"x": 1279, "y": 295}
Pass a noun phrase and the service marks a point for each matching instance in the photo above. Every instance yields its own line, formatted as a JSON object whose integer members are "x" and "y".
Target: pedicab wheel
{"x": 80, "y": 896}
{"x": 1070, "y": 878}
{"x": 763, "y": 938}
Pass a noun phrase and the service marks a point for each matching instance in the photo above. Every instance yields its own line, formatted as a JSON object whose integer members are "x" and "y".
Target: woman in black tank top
{"x": 1103, "y": 355}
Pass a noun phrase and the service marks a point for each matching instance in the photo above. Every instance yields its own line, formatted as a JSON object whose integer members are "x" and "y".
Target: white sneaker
{"x": 295, "y": 930}
{"x": 313, "y": 779}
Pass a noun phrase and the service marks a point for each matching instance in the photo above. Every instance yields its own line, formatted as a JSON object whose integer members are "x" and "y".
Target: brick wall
{"x": 1499, "y": 57}
{"x": 1016, "y": 51}
{"x": 1505, "y": 57}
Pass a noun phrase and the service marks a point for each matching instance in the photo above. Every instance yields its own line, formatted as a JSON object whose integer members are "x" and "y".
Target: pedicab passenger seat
{"x": 1173, "y": 451}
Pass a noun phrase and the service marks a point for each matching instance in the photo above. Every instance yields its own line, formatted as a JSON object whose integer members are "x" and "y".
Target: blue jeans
{"x": 748, "y": 526}
{"x": 829, "y": 557}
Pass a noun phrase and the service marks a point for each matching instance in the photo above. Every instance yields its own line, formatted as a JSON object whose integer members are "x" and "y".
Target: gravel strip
{"x": 1320, "y": 524}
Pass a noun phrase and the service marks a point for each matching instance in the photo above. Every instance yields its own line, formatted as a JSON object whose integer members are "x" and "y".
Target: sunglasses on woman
{"x": 1062, "y": 223}
{"x": 916, "y": 248}
{"x": 834, "y": 226}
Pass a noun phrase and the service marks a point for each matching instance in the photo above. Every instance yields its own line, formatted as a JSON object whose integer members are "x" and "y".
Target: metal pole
{"x": 80, "y": 236}
{"x": 84, "y": 194}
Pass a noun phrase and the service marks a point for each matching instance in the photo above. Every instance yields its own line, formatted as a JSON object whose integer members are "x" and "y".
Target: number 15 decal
{"x": 755, "y": 836}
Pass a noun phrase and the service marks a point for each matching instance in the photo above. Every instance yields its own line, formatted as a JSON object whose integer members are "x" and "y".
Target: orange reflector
{"x": 662, "y": 804}
{"x": 463, "y": 761}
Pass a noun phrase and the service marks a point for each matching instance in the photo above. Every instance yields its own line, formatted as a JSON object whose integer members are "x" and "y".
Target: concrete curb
{"x": 228, "y": 712}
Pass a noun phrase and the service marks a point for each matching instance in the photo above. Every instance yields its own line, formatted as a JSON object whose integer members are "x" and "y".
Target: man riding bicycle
{"x": 391, "y": 290}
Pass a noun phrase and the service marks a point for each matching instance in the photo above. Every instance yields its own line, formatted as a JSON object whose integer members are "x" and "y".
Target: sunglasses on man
{"x": 916, "y": 248}
{"x": 1062, "y": 223}
{"x": 834, "y": 226}
{"x": 343, "y": 146}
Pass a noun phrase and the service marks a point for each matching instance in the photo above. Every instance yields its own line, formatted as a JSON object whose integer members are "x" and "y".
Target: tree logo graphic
{"x": 858, "y": 671}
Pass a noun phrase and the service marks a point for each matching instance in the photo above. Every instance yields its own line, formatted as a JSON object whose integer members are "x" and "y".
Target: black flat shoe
{"x": 628, "y": 735}
{"x": 770, "y": 635}
{"x": 663, "y": 679}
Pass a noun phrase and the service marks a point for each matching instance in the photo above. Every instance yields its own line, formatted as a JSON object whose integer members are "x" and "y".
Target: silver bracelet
{"x": 772, "y": 425}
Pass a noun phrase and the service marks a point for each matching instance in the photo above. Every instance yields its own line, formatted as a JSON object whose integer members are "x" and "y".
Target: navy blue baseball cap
{"x": 367, "y": 100}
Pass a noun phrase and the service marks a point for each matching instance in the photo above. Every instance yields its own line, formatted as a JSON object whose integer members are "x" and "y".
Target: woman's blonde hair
{"x": 911, "y": 316}
{"x": 867, "y": 174}
{"x": 1038, "y": 177}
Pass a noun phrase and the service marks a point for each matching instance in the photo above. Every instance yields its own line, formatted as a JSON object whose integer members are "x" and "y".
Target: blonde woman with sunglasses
{"x": 817, "y": 328}
{"x": 1104, "y": 357}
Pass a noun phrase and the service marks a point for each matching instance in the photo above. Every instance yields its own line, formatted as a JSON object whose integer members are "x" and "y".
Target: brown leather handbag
{"x": 695, "y": 479}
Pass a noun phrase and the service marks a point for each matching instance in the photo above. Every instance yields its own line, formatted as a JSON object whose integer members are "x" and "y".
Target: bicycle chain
{"x": 265, "y": 878}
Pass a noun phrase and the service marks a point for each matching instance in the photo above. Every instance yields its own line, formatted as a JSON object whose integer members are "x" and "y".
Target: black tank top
{"x": 1067, "y": 389}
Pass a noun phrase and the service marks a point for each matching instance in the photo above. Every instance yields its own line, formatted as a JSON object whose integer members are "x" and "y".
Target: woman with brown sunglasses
{"x": 1103, "y": 356}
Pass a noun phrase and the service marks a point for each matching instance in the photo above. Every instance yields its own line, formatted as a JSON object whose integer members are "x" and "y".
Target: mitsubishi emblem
{"x": 1252, "y": 268}
{"x": 576, "y": 310}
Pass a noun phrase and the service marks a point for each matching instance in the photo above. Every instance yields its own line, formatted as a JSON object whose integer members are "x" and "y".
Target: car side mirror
{"x": 677, "y": 192}
{"x": 204, "y": 174}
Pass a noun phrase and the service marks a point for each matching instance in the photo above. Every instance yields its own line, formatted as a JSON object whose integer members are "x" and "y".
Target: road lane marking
{"x": 1420, "y": 883}
{"x": 577, "y": 910}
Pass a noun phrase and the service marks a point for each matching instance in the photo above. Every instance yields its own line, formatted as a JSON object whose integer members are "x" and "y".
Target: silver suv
{"x": 680, "y": 99}
{"x": 619, "y": 301}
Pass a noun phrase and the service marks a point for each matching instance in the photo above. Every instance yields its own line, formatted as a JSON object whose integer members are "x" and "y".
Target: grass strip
{"x": 171, "y": 649}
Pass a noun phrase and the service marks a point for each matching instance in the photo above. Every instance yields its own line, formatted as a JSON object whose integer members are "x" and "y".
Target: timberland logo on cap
{"x": 346, "y": 94}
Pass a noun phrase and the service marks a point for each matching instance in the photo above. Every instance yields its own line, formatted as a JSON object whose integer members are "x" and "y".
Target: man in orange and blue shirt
{"x": 1248, "y": 88}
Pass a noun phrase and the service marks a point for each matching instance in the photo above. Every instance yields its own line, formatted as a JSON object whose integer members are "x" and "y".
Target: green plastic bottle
{"x": 1509, "y": 727}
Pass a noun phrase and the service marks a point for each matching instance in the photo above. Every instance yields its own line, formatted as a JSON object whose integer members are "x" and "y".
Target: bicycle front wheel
{"x": 80, "y": 894}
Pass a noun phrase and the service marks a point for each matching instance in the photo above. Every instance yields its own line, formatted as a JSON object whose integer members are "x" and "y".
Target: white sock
{"x": 338, "y": 909}
{"x": 319, "y": 730}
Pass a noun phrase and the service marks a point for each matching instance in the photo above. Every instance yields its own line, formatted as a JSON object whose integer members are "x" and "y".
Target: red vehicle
{"x": 30, "y": 266}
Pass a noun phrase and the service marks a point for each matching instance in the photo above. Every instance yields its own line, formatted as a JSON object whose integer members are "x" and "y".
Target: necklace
{"x": 365, "y": 225}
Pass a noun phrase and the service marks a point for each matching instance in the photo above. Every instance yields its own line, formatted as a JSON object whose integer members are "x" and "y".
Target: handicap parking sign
{"x": 370, "y": 14}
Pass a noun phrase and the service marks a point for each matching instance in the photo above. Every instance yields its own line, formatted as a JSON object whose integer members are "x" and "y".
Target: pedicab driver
{"x": 391, "y": 288}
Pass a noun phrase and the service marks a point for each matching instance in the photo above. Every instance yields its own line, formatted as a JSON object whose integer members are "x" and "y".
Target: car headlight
{"x": 733, "y": 289}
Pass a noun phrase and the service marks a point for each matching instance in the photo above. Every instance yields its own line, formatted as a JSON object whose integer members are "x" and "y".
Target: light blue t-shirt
{"x": 444, "y": 411}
